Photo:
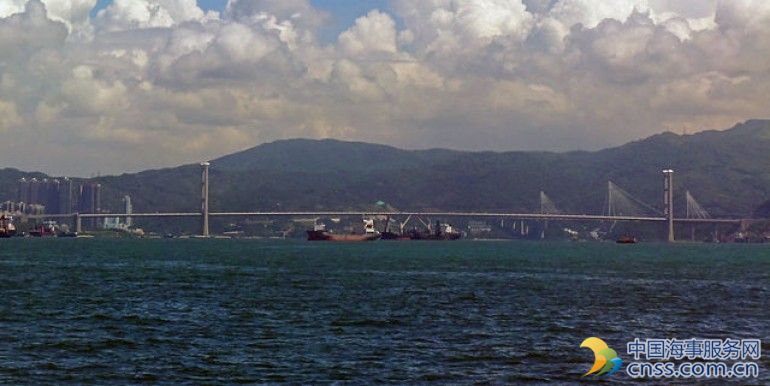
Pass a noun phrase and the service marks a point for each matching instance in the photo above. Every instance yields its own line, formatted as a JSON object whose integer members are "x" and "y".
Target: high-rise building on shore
{"x": 90, "y": 200}
{"x": 66, "y": 199}
{"x": 34, "y": 192}
{"x": 49, "y": 191}
{"x": 23, "y": 191}
{"x": 41, "y": 193}
{"x": 58, "y": 196}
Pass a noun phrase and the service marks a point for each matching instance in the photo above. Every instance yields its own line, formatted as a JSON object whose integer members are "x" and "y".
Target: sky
{"x": 97, "y": 86}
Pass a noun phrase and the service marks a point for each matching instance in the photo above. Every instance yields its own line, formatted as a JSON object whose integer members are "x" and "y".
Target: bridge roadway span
{"x": 518, "y": 216}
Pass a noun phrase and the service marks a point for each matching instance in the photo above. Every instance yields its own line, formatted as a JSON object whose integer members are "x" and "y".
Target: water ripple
{"x": 243, "y": 312}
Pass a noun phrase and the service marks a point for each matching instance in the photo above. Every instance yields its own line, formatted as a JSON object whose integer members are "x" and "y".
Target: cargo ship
{"x": 7, "y": 229}
{"x": 445, "y": 232}
{"x": 319, "y": 233}
{"x": 387, "y": 234}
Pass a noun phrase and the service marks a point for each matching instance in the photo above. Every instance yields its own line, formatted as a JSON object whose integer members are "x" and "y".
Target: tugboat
{"x": 46, "y": 229}
{"x": 626, "y": 239}
{"x": 7, "y": 229}
{"x": 319, "y": 233}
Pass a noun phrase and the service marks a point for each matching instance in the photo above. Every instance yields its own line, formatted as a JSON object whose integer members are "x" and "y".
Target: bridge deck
{"x": 521, "y": 216}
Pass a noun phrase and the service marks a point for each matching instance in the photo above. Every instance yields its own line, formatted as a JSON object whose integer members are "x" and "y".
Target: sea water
{"x": 227, "y": 311}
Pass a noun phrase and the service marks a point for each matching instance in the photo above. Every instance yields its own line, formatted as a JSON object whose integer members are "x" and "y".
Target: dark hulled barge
{"x": 319, "y": 233}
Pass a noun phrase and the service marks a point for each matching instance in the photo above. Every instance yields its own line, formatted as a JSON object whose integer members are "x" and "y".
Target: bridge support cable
{"x": 694, "y": 210}
{"x": 621, "y": 203}
{"x": 547, "y": 206}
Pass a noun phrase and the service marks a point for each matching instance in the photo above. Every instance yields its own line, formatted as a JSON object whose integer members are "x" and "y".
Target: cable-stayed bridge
{"x": 619, "y": 206}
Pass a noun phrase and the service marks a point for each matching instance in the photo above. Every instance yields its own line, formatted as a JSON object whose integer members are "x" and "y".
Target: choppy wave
{"x": 220, "y": 312}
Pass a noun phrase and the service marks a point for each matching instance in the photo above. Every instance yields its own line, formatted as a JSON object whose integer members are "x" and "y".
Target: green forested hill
{"x": 727, "y": 171}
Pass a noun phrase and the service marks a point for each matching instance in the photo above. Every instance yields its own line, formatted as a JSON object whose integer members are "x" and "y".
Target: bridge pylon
{"x": 205, "y": 199}
{"x": 77, "y": 223}
{"x": 668, "y": 201}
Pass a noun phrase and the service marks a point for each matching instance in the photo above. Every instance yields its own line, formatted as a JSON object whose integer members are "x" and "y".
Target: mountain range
{"x": 727, "y": 171}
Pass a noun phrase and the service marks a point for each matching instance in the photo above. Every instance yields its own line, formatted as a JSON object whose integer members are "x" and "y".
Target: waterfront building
{"x": 478, "y": 228}
{"x": 55, "y": 195}
{"x": 9, "y": 207}
{"x": 113, "y": 223}
{"x": 34, "y": 209}
{"x": 33, "y": 192}
{"x": 23, "y": 190}
{"x": 90, "y": 201}
{"x": 65, "y": 199}
{"x": 49, "y": 195}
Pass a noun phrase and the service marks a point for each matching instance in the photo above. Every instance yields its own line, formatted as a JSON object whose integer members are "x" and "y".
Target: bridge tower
{"x": 668, "y": 201}
{"x": 77, "y": 223}
{"x": 205, "y": 199}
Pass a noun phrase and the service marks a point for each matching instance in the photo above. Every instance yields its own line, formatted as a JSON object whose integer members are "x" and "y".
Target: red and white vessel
{"x": 7, "y": 229}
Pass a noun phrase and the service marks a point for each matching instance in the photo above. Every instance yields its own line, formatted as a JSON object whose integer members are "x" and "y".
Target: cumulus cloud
{"x": 373, "y": 33}
{"x": 138, "y": 14}
{"x": 75, "y": 14}
{"x": 149, "y": 83}
{"x": 300, "y": 12}
{"x": 9, "y": 117}
{"x": 446, "y": 27}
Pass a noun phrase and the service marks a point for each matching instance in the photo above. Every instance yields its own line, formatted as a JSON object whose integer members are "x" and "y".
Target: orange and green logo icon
{"x": 606, "y": 359}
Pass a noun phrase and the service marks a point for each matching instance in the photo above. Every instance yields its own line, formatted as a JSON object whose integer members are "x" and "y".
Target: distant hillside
{"x": 303, "y": 155}
{"x": 8, "y": 182}
{"x": 727, "y": 171}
